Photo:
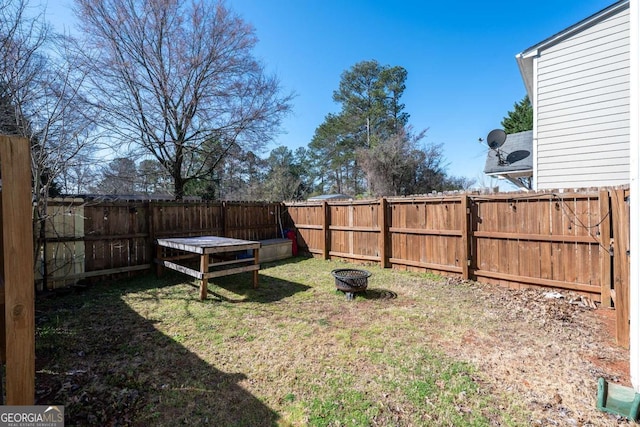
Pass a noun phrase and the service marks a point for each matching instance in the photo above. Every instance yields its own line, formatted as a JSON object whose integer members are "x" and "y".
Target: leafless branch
{"x": 175, "y": 77}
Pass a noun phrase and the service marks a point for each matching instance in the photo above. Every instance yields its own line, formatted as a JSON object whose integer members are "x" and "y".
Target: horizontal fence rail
{"x": 95, "y": 239}
{"x": 576, "y": 241}
{"x": 546, "y": 241}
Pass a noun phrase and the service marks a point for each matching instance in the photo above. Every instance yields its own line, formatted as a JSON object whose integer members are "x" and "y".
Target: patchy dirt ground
{"x": 550, "y": 349}
{"x": 115, "y": 358}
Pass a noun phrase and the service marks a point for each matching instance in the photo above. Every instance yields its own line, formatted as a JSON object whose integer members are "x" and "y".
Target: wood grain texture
{"x": 533, "y": 240}
{"x": 620, "y": 210}
{"x": 17, "y": 246}
{"x": 605, "y": 243}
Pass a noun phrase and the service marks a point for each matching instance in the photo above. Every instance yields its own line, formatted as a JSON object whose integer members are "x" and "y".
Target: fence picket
{"x": 557, "y": 240}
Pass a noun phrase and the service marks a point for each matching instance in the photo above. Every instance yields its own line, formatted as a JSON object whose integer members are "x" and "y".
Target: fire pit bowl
{"x": 350, "y": 280}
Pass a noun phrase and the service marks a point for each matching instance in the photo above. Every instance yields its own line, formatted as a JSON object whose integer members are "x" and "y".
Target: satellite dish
{"x": 496, "y": 138}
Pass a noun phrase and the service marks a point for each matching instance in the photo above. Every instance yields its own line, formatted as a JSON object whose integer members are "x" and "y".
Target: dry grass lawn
{"x": 416, "y": 350}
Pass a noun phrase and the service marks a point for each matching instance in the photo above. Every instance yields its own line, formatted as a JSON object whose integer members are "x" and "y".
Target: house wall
{"x": 582, "y": 101}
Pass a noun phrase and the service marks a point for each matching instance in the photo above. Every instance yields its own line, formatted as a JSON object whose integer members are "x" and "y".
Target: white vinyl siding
{"x": 582, "y": 107}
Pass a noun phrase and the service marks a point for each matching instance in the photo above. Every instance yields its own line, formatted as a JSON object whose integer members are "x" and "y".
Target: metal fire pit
{"x": 351, "y": 281}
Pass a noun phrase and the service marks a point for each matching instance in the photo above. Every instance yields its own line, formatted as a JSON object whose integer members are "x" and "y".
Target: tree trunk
{"x": 178, "y": 186}
{"x": 176, "y": 174}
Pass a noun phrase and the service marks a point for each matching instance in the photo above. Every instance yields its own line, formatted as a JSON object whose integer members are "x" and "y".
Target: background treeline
{"x": 167, "y": 98}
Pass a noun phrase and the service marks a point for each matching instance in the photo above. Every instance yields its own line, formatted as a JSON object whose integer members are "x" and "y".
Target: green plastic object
{"x": 619, "y": 400}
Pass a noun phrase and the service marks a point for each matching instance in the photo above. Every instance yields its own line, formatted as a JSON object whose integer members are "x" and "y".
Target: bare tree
{"x": 119, "y": 177}
{"x": 41, "y": 100}
{"x": 152, "y": 178}
{"x": 21, "y": 40}
{"x": 398, "y": 166}
{"x": 78, "y": 177}
{"x": 178, "y": 76}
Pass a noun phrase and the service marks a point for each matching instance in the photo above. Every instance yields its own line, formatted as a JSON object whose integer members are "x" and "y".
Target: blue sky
{"x": 460, "y": 58}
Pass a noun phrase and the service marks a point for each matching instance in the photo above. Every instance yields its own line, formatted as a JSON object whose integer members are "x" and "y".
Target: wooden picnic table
{"x": 219, "y": 256}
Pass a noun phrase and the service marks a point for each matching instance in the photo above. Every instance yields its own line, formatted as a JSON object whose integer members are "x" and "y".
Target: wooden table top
{"x": 208, "y": 244}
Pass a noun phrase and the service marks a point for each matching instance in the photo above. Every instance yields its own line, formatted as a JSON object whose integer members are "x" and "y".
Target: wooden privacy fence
{"x": 575, "y": 241}
{"x": 91, "y": 239}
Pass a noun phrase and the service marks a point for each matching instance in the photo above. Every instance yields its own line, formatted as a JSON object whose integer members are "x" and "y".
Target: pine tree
{"x": 520, "y": 119}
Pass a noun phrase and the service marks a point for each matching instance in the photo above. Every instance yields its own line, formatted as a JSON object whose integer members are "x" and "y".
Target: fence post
{"x": 384, "y": 232}
{"x": 17, "y": 239}
{"x": 620, "y": 211}
{"x": 223, "y": 218}
{"x": 326, "y": 220}
{"x": 3, "y": 323}
{"x": 151, "y": 233}
{"x": 3, "y": 336}
{"x": 466, "y": 258}
{"x": 150, "y": 226}
{"x": 605, "y": 244}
